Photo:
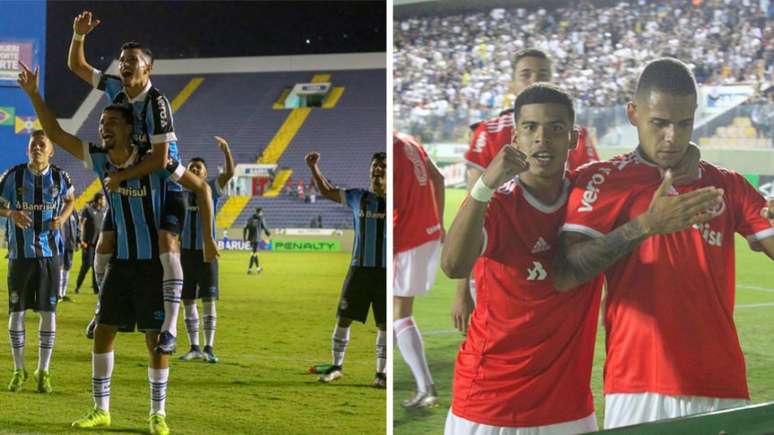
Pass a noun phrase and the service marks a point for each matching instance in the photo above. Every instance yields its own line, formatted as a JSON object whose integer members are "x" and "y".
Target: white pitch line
{"x": 752, "y": 287}
{"x": 768, "y": 304}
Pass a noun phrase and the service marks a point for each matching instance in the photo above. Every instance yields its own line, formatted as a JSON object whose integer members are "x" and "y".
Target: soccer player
{"x": 531, "y": 65}
{"x": 91, "y": 222}
{"x": 418, "y": 232}
{"x": 366, "y": 282}
{"x": 37, "y": 197}
{"x": 672, "y": 346}
{"x": 131, "y": 293}
{"x": 71, "y": 237}
{"x": 155, "y": 135}
{"x": 201, "y": 279}
{"x": 252, "y": 233}
{"x": 526, "y": 361}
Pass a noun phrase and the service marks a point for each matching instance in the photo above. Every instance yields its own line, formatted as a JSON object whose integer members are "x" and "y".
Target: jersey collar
{"x": 641, "y": 159}
{"x": 141, "y": 96}
{"x": 546, "y": 208}
{"x": 43, "y": 172}
{"x": 129, "y": 162}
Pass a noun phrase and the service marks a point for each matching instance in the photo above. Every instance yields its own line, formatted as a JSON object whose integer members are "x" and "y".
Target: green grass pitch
{"x": 754, "y": 320}
{"x": 271, "y": 328}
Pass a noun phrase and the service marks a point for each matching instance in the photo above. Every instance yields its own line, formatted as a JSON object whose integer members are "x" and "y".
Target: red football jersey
{"x": 670, "y": 302}
{"x": 528, "y": 354}
{"x": 415, "y": 217}
{"x": 491, "y": 135}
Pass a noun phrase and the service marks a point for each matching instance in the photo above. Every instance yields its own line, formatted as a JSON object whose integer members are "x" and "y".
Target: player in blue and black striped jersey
{"x": 366, "y": 282}
{"x": 155, "y": 135}
{"x": 131, "y": 294}
{"x": 201, "y": 279}
{"x": 38, "y": 199}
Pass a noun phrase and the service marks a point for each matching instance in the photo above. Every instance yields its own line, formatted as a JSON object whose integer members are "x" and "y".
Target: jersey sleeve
{"x": 594, "y": 203}
{"x": 351, "y": 197}
{"x": 474, "y": 156}
{"x": 159, "y": 120}
{"x": 747, "y": 205}
{"x": 217, "y": 192}
{"x": 95, "y": 158}
{"x": 66, "y": 188}
{"x": 6, "y": 188}
{"x": 173, "y": 171}
{"x": 109, "y": 84}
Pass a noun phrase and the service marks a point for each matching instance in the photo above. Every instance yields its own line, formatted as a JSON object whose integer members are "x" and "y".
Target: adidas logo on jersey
{"x": 540, "y": 246}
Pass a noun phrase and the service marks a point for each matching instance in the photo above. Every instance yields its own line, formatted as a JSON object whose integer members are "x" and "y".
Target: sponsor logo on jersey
{"x": 713, "y": 238}
{"x": 591, "y": 195}
{"x": 163, "y": 115}
{"x": 368, "y": 214}
{"x": 540, "y": 246}
{"x": 23, "y": 205}
{"x": 132, "y": 191}
{"x": 537, "y": 272}
{"x": 433, "y": 229}
{"x": 420, "y": 171}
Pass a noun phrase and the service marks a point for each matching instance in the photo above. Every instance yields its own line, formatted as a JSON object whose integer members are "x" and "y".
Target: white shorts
{"x": 415, "y": 269}
{"x": 472, "y": 285}
{"x": 460, "y": 426}
{"x": 633, "y": 408}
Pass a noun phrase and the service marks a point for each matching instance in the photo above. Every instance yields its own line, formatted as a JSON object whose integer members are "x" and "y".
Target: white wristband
{"x": 78, "y": 37}
{"x": 481, "y": 192}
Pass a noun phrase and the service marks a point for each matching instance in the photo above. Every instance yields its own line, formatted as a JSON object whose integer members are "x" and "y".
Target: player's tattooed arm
{"x": 327, "y": 190}
{"x": 581, "y": 257}
{"x": 28, "y": 81}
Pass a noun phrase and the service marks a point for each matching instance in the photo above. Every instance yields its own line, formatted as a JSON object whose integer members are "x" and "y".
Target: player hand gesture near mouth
{"x": 508, "y": 163}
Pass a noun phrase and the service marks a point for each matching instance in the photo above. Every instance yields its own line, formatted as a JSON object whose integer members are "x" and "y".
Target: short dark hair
{"x": 529, "y": 52}
{"x": 130, "y": 45}
{"x": 38, "y": 132}
{"x": 543, "y": 93}
{"x": 666, "y": 74}
{"x": 97, "y": 196}
{"x": 198, "y": 159}
{"x": 124, "y": 111}
{"x": 258, "y": 209}
{"x": 381, "y": 156}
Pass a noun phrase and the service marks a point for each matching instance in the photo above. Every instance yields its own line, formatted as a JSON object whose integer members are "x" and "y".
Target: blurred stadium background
{"x": 453, "y": 66}
{"x": 276, "y": 79}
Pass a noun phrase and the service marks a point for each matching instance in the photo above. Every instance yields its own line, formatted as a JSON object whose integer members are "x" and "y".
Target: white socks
{"x": 413, "y": 351}
{"x": 158, "y": 383}
{"x": 16, "y": 335}
{"x": 210, "y": 321}
{"x": 101, "y": 372}
{"x": 173, "y": 288}
{"x": 381, "y": 351}
{"x": 47, "y": 335}
{"x": 192, "y": 323}
{"x": 340, "y": 341}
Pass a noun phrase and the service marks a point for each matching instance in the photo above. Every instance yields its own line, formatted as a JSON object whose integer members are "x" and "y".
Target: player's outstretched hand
{"x": 461, "y": 310}
{"x": 28, "y": 80}
{"x": 508, "y": 163}
{"x": 669, "y": 213}
{"x": 85, "y": 23}
{"x": 210, "y": 250}
{"x": 312, "y": 159}
{"x": 222, "y": 144}
{"x": 21, "y": 219}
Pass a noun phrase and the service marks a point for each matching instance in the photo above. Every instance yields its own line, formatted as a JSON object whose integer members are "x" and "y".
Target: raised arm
{"x": 204, "y": 200}
{"x": 326, "y": 189}
{"x": 228, "y": 172}
{"x": 28, "y": 81}
{"x": 76, "y": 57}
{"x": 465, "y": 239}
{"x": 580, "y": 257}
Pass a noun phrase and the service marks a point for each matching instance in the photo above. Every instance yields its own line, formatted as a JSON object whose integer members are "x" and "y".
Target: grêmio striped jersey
{"x": 369, "y": 212}
{"x": 192, "y": 225}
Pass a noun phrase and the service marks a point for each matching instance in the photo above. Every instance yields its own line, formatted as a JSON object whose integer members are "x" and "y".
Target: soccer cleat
{"x": 209, "y": 356}
{"x": 158, "y": 425}
{"x": 331, "y": 374}
{"x": 422, "y": 399}
{"x": 43, "y": 379}
{"x": 192, "y": 354}
{"x": 17, "y": 381}
{"x": 380, "y": 381}
{"x": 95, "y": 418}
{"x": 90, "y": 328}
{"x": 260, "y": 269}
{"x": 167, "y": 343}
{"x": 250, "y": 271}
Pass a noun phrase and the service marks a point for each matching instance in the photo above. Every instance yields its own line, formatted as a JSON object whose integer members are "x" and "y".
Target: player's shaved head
{"x": 668, "y": 75}
{"x": 543, "y": 93}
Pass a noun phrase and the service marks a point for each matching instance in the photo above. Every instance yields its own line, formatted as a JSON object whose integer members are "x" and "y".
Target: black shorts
{"x": 173, "y": 212}
{"x": 131, "y": 296}
{"x": 33, "y": 283}
{"x": 364, "y": 287}
{"x": 200, "y": 279}
{"x": 254, "y": 245}
{"x": 107, "y": 223}
{"x": 67, "y": 260}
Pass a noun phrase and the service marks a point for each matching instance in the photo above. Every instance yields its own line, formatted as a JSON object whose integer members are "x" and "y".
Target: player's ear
{"x": 631, "y": 113}
{"x": 574, "y": 137}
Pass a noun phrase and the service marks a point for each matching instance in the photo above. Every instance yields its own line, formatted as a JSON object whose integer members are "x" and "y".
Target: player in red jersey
{"x": 672, "y": 347}
{"x": 417, "y": 235}
{"x": 531, "y": 66}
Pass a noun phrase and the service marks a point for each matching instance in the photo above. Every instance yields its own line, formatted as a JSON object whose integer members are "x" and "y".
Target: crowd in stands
{"x": 452, "y": 71}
